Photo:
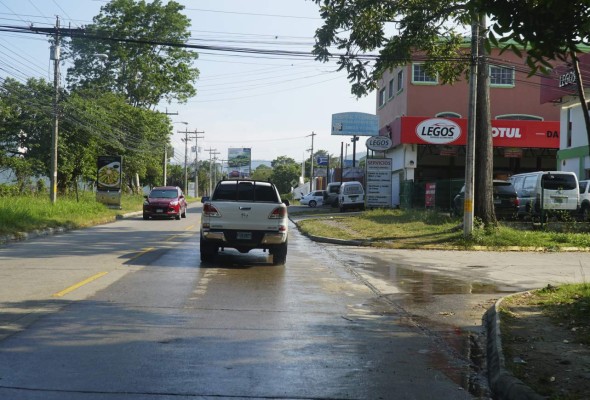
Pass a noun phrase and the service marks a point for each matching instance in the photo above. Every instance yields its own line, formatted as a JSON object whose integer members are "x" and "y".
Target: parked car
{"x": 315, "y": 198}
{"x": 165, "y": 201}
{"x": 560, "y": 189}
{"x": 505, "y": 200}
{"x": 584, "y": 200}
{"x": 351, "y": 195}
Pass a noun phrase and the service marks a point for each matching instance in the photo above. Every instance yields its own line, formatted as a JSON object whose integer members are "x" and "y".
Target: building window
{"x": 400, "y": 80}
{"x": 390, "y": 89}
{"x": 382, "y": 97}
{"x": 501, "y": 76}
{"x": 448, "y": 114}
{"x": 420, "y": 76}
{"x": 522, "y": 117}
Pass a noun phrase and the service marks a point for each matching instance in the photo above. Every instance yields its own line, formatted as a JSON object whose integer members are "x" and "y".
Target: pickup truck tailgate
{"x": 244, "y": 216}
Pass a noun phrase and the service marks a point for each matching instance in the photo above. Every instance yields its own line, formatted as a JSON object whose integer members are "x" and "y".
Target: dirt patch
{"x": 543, "y": 353}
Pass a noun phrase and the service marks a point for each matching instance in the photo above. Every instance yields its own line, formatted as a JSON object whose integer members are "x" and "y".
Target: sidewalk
{"x": 524, "y": 270}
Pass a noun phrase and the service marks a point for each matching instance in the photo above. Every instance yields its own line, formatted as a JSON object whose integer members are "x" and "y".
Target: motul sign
{"x": 379, "y": 143}
{"x": 438, "y": 131}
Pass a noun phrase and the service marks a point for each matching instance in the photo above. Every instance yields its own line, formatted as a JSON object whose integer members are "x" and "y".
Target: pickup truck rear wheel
{"x": 279, "y": 254}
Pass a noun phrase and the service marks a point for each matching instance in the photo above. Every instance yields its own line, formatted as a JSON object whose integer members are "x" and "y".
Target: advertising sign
{"x": 505, "y": 133}
{"x": 239, "y": 161}
{"x": 378, "y": 182}
{"x": 378, "y": 143}
{"x": 430, "y": 195}
{"x": 108, "y": 180}
{"x": 355, "y": 124}
{"x": 109, "y": 172}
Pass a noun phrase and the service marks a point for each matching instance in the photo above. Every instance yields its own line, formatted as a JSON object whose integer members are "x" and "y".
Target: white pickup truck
{"x": 244, "y": 215}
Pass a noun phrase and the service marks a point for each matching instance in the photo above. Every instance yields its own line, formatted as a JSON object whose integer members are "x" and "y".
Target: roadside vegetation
{"x": 545, "y": 337}
{"x": 29, "y": 213}
{"x": 411, "y": 229}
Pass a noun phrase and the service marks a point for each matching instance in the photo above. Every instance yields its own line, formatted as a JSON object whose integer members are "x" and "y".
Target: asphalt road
{"x": 126, "y": 311}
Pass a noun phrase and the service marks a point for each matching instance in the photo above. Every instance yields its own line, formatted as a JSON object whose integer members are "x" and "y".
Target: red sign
{"x": 430, "y": 193}
{"x": 505, "y": 133}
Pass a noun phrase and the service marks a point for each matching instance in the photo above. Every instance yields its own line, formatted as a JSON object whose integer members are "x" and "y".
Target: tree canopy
{"x": 396, "y": 30}
{"x": 130, "y": 49}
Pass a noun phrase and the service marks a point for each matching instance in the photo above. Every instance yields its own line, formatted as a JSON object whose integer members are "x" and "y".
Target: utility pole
{"x": 470, "y": 156}
{"x": 211, "y": 151}
{"x": 55, "y": 49}
{"x": 311, "y": 181}
{"x": 185, "y": 140}
{"x": 197, "y": 137}
{"x": 354, "y": 139}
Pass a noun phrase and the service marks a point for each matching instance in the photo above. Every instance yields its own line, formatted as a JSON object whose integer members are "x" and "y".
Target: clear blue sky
{"x": 268, "y": 104}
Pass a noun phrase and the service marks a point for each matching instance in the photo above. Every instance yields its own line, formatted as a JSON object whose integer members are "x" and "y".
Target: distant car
{"x": 505, "y": 200}
{"x": 165, "y": 201}
{"x": 315, "y": 198}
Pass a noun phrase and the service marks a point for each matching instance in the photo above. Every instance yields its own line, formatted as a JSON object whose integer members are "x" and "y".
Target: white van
{"x": 560, "y": 190}
{"x": 351, "y": 195}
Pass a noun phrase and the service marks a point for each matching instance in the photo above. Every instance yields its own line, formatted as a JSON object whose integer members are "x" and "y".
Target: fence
{"x": 413, "y": 194}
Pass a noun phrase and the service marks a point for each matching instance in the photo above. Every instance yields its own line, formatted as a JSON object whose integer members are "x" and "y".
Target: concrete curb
{"x": 503, "y": 384}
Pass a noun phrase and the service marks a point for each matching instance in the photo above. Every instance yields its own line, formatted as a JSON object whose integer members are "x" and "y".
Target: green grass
{"x": 28, "y": 213}
{"x": 428, "y": 229}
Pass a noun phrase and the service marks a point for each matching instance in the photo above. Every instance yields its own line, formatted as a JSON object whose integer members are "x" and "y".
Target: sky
{"x": 269, "y": 104}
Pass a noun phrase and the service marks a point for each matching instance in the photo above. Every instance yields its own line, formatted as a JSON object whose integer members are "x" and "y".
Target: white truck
{"x": 244, "y": 215}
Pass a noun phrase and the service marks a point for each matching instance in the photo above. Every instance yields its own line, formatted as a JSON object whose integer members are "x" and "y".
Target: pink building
{"x": 427, "y": 123}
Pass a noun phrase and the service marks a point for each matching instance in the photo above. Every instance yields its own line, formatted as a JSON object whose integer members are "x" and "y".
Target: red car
{"x": 165, "y": 201}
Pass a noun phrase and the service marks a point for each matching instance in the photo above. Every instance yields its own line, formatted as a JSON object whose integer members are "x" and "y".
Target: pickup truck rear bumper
{"x": 231, "y": 238}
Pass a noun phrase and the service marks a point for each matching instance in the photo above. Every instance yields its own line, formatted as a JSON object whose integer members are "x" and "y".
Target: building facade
{"x": 427, "y": 122}
{"x": 560, "y": 88}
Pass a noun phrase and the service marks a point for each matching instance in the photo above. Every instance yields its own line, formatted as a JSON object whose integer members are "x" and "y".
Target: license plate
{"x": 353, "y": 198}
{"x": 558, "y": 200}
{"x": 244, "y": 235}
{"x": 159, "y": 210}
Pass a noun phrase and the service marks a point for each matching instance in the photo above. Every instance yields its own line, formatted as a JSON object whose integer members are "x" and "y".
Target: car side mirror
{"x": 145, "y": 196}
{"x": 204, "y": 199}
{"x": 286, "y": 202}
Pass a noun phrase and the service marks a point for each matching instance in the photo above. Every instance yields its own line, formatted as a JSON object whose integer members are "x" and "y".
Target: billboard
{"x": 355, "y": 124}
{"x": 239, "y": 162}
{"x": 108, "y": 180}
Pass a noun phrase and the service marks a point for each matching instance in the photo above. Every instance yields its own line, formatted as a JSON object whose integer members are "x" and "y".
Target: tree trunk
{"x": 484, "y": 149}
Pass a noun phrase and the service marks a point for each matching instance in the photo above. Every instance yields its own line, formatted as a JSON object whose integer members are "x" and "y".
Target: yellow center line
{"x": 141, "y": 253}
{"x": 79, "y": 284}
{"x": 171, "y": 237}
{"x": 189, "y": 228}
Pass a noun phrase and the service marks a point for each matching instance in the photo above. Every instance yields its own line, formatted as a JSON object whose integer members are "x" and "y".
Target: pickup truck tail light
{"x": 278, "y": 213}
{"x": 209, "y": 210}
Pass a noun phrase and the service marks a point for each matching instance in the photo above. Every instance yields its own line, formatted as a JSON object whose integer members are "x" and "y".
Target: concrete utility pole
{"x": 210, "y": 151}
{"x": 185, "y": 140}
{"x": 197, "y": 137}
{"x": 470, "y": 155}
{"x": 311, "y": 180}
{"x": 55, "y": 50}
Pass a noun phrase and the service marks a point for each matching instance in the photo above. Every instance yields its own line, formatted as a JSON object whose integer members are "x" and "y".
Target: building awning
{"x": 453, "y": 132}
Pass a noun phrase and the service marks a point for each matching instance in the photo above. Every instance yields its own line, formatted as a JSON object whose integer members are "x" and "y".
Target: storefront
{"x": 429, "y": 149}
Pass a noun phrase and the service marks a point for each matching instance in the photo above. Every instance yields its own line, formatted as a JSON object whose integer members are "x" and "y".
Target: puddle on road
{"x": 458, "y": 349}
{"x": 422, "y": 287}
